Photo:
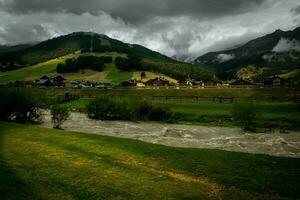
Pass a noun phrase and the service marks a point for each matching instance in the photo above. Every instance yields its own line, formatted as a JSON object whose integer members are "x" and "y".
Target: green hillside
{"x": 110, "y": 74}
{"x": 32, "y": 59}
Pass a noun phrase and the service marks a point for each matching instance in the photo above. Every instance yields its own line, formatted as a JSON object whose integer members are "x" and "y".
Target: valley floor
{"x": 232, "y": 139}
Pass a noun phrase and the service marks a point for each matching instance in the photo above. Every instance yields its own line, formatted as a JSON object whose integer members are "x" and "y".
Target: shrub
{"x": 20, "y": 105}
{"x": 106, "y": 59}
{"x": 246, "y": 113}
{"x": 59, "y": 115}
{"x": 133, "y": 62}
{"x": 158, "y": 113}
{"x": 104, "y": 108}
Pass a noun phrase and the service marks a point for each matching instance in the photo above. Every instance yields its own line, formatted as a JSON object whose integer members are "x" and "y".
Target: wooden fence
{"x": 217, "y": 99}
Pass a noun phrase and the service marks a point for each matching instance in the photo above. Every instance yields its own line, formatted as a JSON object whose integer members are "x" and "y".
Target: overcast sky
{"x": 172, "y": 27}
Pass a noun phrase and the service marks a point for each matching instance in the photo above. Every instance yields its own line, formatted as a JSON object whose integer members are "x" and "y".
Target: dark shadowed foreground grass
{"x": 39, "y": 163}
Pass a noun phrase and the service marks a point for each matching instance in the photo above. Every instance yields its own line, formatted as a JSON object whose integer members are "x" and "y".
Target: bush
{"x": 133, "y": 62}
{"x": 106, "y": 59}
{"x": 149, "y": 111}
{"x": 20, "y": 105}
{"x": 83, "y": 62}
{"x": 59, "y": 115}
{"x": 246, "y": 113}
{"x": 104, "y": 108}
{"x": 143, "y": 109}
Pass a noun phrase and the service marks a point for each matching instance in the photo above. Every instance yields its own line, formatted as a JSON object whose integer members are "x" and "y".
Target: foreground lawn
{"x": 39, "y": 163}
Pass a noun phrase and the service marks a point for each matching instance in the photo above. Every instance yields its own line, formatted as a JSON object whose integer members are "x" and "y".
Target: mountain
{"x": 10, "y": 49}
{"x": 183, "y": 58}
{"x": 80, "y": 43}
{"x": 275, "y": 52}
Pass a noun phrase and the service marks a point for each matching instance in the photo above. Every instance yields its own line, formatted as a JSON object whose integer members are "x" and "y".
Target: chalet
{"x": 182, "y": 83}
{"x": 242, "y": 82}
{"x": 277, "y": 81}
{"x": 158, "y": 82}
{"x": 58, "y": 81}
{"x": 48, "y": 81}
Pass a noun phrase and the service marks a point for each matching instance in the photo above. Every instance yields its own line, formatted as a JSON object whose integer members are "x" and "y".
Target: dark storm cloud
{"x": 173, "y": 27}
{"x": 20, "y": 33}
{"x": 296, "y": 10}
{"x": 135, "y": 11}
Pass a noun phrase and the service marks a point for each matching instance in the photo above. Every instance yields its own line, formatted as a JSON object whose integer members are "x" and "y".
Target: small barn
{"x": 44, "y": 83}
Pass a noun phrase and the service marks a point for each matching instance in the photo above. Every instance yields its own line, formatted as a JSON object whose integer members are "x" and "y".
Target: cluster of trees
{"x": 133, "y": 62}
{"x": 83, "y": 62}
{"x": 177, "y": 70}
{"x": 24, "y": 106}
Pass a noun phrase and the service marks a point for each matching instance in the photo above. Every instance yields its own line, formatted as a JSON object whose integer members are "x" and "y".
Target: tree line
{"x": 83, "y": 62}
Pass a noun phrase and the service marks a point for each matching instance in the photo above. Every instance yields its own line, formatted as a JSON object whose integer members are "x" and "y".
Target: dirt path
{"x": 232, "y": 139}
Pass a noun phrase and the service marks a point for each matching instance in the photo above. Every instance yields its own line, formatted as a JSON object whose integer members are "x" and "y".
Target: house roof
{"x": 44, "y": 81}
{"x": 58, "y": 76}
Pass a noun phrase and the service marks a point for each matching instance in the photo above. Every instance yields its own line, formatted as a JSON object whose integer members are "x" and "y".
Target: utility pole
{"x": 92, "y": 43}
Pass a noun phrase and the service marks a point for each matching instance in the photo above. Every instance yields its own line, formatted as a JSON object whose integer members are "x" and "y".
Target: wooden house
{"x": 158, "y": 82}
{"x": 48, "y": 81}
{"x": 58, "y": 81}
{"x": 277, "y": 81}
{"x": 44, "y": 83}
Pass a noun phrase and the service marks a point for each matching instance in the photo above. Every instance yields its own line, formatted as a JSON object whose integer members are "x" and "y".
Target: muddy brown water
{"x": 231, "y": 139}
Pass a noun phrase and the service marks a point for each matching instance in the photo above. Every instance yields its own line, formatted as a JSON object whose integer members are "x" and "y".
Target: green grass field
{"x": 39, "y": 163}
{"x": 207, "y": 112}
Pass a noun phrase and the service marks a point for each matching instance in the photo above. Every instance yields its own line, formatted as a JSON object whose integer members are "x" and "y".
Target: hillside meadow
{"x": 110, "y": 74}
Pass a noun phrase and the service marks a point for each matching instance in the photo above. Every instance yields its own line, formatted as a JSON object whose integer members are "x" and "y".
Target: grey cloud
{"x": 19, "y": 33}
{"x": 136, "y": 11}
{"x": 286, "y": 45}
